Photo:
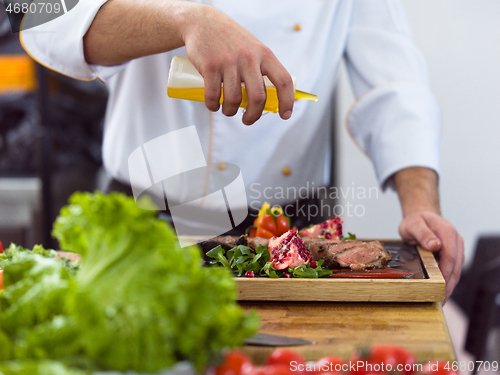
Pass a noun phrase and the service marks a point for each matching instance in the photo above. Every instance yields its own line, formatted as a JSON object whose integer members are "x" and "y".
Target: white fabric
{"x": 58, "y": 44}
{"x": 395, "y": 119}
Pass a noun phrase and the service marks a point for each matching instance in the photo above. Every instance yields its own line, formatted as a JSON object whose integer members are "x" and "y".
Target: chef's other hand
{"x": 226, "y": 53}
{"x": 435, "y": 234}
{"x": 417, "y": 188}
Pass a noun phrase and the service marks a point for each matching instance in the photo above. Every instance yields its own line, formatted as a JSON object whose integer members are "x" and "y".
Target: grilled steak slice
{"x": 356, "y": 255}
{"x": 328, "y": 249}
{"x": 257, "y": 241}
{"x": 369, "y": 255}
{"x": 242, "y": 240}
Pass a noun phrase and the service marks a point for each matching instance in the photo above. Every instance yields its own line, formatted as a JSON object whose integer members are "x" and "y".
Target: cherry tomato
{"x": 384, "y": 359}
{"x": 282, "y": 225}
{"x": 267, "y": 222}
{"x": 252, "y": 232}
{"x": 288, "y": 358}
{"x": 328, "y": 365}
{"x": 275, "y": 369}
{"x": 439, "y": 367}
{"x": 1, "y": 247}
{"x": 235, "y": 363}
{"x": 406, "y": 359}
{"x": 261, "y": 232}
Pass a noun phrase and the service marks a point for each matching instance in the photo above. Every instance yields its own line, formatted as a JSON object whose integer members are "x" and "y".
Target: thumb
{"x": 417, "y": 230}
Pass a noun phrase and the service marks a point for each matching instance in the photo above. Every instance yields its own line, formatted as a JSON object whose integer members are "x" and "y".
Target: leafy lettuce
{"x": 32, "y": 304}
{"x": 138, "y": 301}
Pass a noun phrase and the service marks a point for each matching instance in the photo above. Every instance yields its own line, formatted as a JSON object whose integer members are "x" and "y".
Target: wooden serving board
{"x": 429, "y": 288}
{"x": 338, "y": 328}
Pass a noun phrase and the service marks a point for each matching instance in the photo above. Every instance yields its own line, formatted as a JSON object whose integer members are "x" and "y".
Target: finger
{"x": 451, "y": 254}
{"x": 284, "y": 86}
{"x": 457, "y": 270}
{"x": 451, "y": 250}
{"x": 451, "y": 279}
{"x": 231, "y": 91}
{"x": 256, "y": 94}
{"x": 448, "y": 256}
{"x": 420, "y": 231}
{"x": 405, "y": 232}
{"x": 213, "y": 81}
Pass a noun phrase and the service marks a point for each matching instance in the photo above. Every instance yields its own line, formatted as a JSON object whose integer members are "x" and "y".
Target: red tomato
{"x": 384, "y": 359}
{"x": 282, "y": 225}
{"x": 261, "y": 232}
{"x": 252, "y": 232}
{"x": 406, "y": 359}
{"x": 287, "y": 357}
{"x": 235, "y": 363}
{"x": 267, "y": 222}
{"x": 276, "y": 369}
{"x": 1, "y": 247}
{"x": 1, "y": 279}
{"x": 328, "y": 365}
{"x": 439, "y": 367}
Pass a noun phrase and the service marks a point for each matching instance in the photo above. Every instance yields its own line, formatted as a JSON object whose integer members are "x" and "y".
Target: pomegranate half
{"x": 288, "y": 250}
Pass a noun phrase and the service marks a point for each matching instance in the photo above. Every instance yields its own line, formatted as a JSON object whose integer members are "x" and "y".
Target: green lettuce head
{"x": 141, "y": 302}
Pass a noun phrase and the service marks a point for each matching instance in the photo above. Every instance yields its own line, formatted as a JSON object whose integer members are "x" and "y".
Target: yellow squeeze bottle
{"x": 184, "y": 82}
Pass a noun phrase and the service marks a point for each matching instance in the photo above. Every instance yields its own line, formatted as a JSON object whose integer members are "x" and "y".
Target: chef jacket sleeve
{"x": 58, "y": 44}
{"x": 395, "y": 119}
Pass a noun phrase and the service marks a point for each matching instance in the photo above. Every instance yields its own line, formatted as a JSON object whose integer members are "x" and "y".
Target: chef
{"x": 129, "y": 44}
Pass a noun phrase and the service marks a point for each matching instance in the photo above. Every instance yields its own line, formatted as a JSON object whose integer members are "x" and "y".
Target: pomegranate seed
{"x": 249, "y": 274}
{"x": 328, "y": 236}
{"x": 287, "y": 275}
{"x": 313, "y": 264}
{"x": 324, "y": 225}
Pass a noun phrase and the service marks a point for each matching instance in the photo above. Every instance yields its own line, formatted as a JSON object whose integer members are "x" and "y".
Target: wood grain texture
{"x": 431, "y": 289}
{"x": 340, "y": 328}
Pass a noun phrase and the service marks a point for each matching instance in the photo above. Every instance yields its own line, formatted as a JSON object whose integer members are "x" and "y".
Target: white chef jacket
{"x": 395, "y": 119}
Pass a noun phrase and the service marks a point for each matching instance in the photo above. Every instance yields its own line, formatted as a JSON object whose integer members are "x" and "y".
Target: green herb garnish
{"x": 242, "y": 259}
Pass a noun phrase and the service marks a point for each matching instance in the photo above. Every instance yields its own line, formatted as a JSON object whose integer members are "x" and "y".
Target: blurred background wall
{"x": 460, "y": 40}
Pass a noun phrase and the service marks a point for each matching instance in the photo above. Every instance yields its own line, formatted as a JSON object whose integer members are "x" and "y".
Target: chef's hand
{"x": 422, "y": 223}
{"x": 225, "y": 52}
{"x": 433, "y": 233}
{"x": 221, "y": 49}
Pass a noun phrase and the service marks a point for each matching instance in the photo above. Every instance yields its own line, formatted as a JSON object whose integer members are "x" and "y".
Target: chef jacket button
{"x": 287, "y": 171}
{"x": 221, "y": 165}
{"x": 297, "y": 27}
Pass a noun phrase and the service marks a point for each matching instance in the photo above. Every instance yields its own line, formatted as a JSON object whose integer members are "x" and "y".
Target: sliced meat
{"x": 356, "y": 255}
{"x": 226, "y": 242}
{"x": 257, "y": 241}
{"x": 369, "y": 255}
{"x": 328, "y": 249}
